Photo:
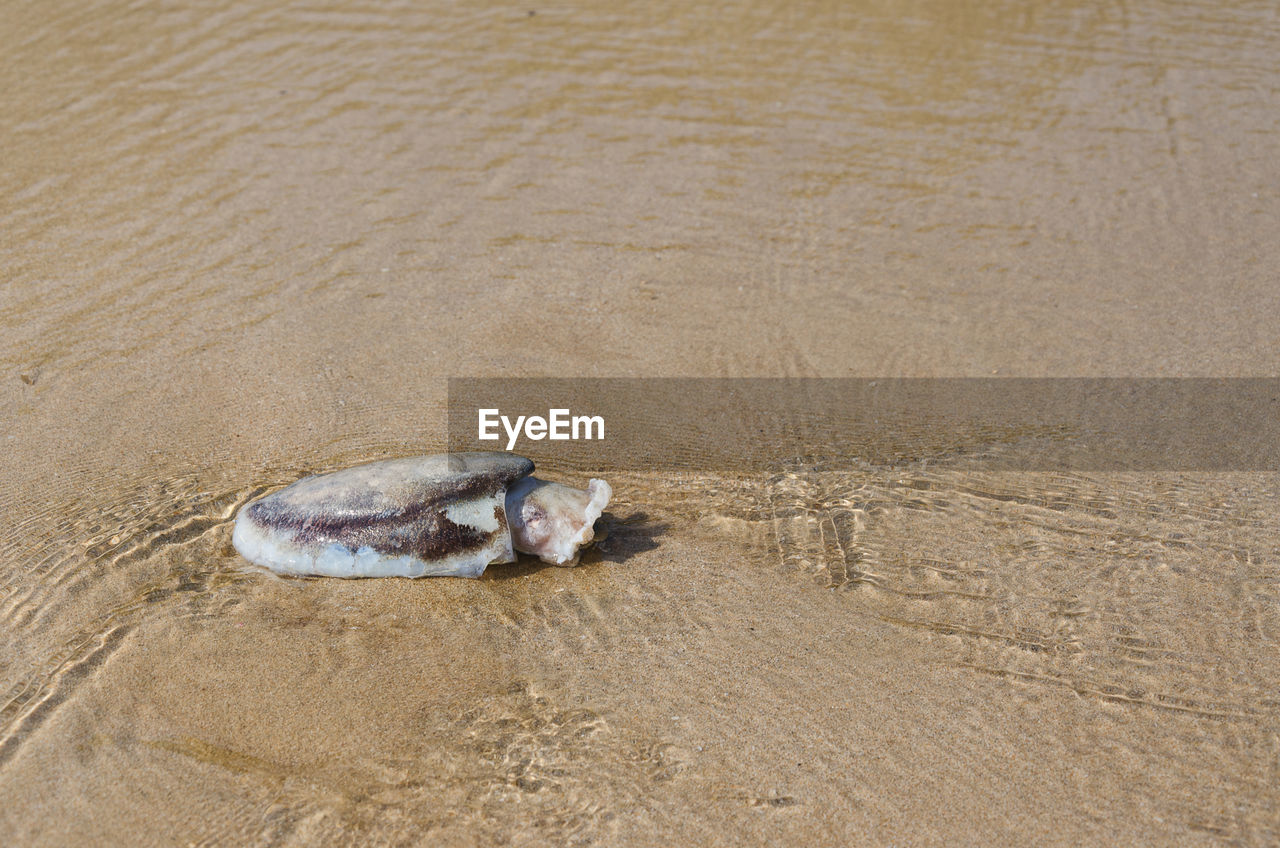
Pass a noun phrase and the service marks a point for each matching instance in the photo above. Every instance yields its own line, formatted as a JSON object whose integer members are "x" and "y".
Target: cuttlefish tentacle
{"x": 552, "y": 521}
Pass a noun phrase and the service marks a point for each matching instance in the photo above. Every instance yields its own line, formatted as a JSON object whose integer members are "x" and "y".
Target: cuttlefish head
{"x": 553, "y": 522}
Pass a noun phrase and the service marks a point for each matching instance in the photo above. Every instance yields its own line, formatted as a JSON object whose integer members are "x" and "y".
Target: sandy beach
{"x": 244, "y": 242}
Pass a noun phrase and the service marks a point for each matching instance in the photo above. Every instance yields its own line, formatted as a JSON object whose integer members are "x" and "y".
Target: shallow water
{"x": 243, "y": 242}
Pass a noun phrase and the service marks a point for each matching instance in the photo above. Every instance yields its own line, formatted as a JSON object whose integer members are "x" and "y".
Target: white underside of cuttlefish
{"x": 443, "y": 515}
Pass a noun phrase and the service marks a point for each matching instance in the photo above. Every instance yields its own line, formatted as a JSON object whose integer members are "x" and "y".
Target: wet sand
{"x": 243, "y": 243}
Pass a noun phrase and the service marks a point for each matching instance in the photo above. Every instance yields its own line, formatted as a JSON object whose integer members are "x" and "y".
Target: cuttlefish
{"x": 428, "y": 516}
